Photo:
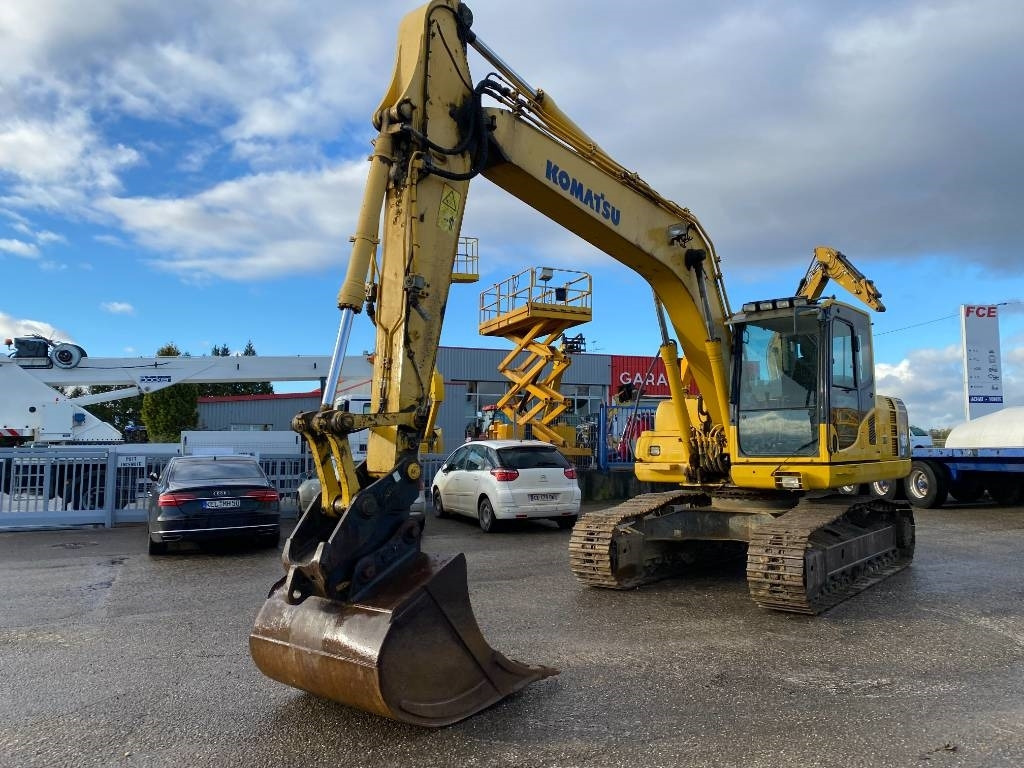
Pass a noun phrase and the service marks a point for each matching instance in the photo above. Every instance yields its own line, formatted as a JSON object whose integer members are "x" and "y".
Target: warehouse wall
{"x": 471, "y": 381}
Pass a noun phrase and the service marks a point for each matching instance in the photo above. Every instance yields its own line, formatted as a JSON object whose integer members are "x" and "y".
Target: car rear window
{"x": 216, "y": 470}
{"x": 531, "y": 457}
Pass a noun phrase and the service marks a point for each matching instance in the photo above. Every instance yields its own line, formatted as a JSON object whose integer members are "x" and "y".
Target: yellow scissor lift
{"x": 533, "y": 310}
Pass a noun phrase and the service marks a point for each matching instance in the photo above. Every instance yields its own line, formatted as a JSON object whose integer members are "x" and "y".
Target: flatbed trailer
{"x": 965, "y": 474}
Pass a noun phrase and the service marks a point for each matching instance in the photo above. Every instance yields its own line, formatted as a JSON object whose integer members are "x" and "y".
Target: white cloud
{"x": 929, "y": 382}
{"x": 782, "y": 128}
{"x": 12, "y": 326}
{"x": 58, "y": 163}
{"x": 50, "y": 237}
{"x": 252, "y": 228}
{"x": 19, "y": 248}
{"x": 117, "y": 307}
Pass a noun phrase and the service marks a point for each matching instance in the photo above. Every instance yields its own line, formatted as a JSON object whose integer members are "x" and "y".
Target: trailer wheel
{"x": 966, "y": 489}
{"x": 1006, "y": 491}
{"x": 927, "y": 485}
{"x": 890, "y": 490}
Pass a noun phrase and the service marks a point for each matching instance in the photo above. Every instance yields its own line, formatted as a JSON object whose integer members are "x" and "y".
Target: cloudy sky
{"x": 191, "y": 171}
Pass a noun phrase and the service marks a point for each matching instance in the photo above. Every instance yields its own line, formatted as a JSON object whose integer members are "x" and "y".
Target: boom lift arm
{"x": 362, "y": 616}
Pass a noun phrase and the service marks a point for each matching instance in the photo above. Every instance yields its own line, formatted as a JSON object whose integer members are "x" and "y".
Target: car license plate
{"x": 543, "y": 496}
{"x": 222, "y": 503}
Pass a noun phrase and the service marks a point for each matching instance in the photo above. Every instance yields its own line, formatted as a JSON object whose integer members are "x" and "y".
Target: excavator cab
{"x": 780, "y": 377}
{"x": 804, "y": 389}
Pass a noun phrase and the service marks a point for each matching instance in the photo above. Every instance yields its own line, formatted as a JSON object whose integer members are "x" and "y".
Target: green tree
{"x": 124, "y": 414}
{"x": 254, "y": 387}
{"x": 168, "y": 411}
{"x": 235, "y": 388}
{"x": 217, "y": 390}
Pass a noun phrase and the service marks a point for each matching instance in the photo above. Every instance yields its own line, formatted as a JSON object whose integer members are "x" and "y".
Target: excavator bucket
{"x": 412, "y": 651}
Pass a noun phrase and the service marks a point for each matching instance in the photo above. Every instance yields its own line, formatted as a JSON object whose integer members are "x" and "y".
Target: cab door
{"x": 852, "y": 380}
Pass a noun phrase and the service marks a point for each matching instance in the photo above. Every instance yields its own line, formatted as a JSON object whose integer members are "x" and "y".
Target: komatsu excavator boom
{"x": 787, "y": 406}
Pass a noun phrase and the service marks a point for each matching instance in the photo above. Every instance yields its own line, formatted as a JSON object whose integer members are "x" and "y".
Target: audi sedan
{"x": 203, "y": 498}
{"x": 497, "y": 480}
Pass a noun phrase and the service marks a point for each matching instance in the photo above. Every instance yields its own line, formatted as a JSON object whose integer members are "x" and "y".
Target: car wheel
{"x": 439, "y": 510}
{"x": 566, "y": 522}
{"x": 488, "y": 523}
{"x": 272, "y": 541}
{"x": 157, "y": 547}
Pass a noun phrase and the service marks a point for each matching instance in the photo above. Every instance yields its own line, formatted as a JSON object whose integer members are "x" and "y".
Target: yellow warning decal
{"x": 448, "y": 212}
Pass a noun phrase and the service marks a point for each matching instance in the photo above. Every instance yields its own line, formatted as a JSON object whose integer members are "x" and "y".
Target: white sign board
{"x": 983, "y": 377}
{"x": 134, "y": 462}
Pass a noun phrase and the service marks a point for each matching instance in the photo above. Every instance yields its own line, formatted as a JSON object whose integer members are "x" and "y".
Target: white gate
{"x": 67, "y": 486}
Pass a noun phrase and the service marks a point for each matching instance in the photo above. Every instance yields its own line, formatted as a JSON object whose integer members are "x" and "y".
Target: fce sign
{"x": 983, "y": 379}
{"x": 981, "y": 311}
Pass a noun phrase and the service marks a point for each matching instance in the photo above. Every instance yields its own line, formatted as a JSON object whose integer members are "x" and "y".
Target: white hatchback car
{"x": 494, "y": 480}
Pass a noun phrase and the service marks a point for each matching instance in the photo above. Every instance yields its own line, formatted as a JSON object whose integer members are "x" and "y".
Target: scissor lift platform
{"x": 543, "y": 295}
{"x": 533, "y": 310}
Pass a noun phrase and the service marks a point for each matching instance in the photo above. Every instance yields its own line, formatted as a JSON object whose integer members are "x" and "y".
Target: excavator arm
{"x": 362, "y": 615}
{"x": 829, "y": 264}
{"x": 434, "y": 136}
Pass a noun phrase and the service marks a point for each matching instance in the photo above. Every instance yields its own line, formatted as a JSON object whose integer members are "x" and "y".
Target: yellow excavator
{"x": 786, "y": 408}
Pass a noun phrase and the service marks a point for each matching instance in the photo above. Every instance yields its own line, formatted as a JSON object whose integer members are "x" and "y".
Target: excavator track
{"x": 805, "y": 560}
{"x": 593, "y": 553}
{"x": 822, "y": 552}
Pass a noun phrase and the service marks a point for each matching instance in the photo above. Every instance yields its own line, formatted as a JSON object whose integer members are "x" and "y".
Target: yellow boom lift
{"x": 787, "y": 408}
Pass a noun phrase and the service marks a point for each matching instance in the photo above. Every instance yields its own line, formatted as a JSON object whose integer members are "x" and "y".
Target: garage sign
{"x": 638, "y": 371}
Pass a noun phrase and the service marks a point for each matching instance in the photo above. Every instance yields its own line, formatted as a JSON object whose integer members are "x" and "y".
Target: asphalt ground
{"x": 109, "y": 657}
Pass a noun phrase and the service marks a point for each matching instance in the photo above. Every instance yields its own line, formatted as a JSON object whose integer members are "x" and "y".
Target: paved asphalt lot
{"x": 110, "y": 657}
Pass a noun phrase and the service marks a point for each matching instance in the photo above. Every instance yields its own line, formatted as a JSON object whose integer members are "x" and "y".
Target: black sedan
{"x": 203, "y": 498}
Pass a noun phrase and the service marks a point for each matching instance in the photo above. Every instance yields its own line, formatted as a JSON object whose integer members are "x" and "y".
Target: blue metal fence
{"x": 618, "y": 429}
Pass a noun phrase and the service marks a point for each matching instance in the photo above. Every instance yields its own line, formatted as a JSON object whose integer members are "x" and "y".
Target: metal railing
{"x": 67, "y": 486}
{"x": 540, "y": 285}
